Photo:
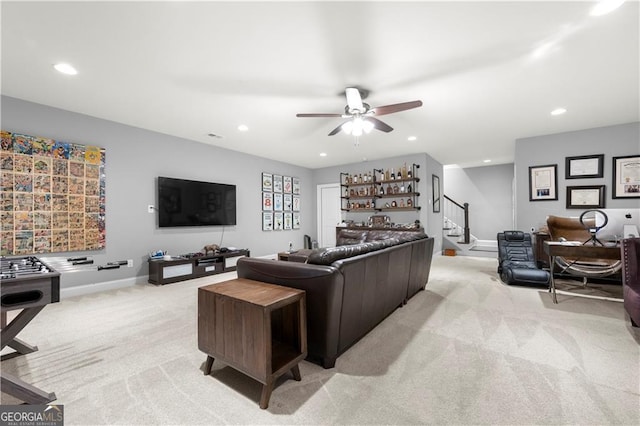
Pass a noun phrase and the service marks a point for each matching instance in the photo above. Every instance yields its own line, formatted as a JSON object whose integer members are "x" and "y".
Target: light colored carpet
{"x": 468, "y": 350}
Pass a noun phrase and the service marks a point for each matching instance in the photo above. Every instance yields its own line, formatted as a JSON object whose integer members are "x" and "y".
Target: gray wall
{"x": 612, "y": 141}
{"x": 432, "y": 222}
{"x": 489, "y": 192}
{"x": 134, "y": 159}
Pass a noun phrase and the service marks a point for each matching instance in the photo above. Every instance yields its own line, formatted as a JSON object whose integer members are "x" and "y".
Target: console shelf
{"x": 182, "y": 268}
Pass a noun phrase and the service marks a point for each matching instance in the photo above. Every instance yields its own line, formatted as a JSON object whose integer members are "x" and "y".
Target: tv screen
{"x": 184, "y": 202}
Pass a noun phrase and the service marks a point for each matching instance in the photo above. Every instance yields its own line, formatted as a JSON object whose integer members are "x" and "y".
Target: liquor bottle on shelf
{"x": 353, "y": 192}
{"x": 370, "y": 178}
{"x": 393, "y": 174}
{"x": 368, "y": 204}
{"x": 387, "y": 175}
{"x": 389, "y": 189}
{"x": 396, "y": 188}
{"x": 394, "y": 204}
{"x": 348, "y": 204}
{"x": 360, "y": 178}
{"x": 401, "y": 202}
{"x": 409, "y": 188}
{"x": 409, "y": 202}
{"x": 404, "y": 170}
{"x": 409, "y": 174}
{"x": 399, "y": 175}
{"x": 402, "y": 188}
{"x": 381, "y": 190}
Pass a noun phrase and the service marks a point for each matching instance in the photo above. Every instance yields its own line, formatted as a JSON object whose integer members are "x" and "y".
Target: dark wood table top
{"x": 254, "y": 292}
{"x": 557, "y": 248}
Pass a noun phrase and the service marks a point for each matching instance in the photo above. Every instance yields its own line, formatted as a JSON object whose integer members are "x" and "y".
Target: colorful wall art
{"x": 52, "y": 195}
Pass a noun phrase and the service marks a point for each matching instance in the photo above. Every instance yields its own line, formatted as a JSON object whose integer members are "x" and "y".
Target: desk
{"x": 587, "y": 251}
{"x": 257, "y": 328}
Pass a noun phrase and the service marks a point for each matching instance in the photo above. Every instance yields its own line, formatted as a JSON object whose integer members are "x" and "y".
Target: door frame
{"x": 319, "y": 217}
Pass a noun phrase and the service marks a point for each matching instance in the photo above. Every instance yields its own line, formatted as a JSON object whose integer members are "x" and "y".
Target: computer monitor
{"x": 622, "y": 223}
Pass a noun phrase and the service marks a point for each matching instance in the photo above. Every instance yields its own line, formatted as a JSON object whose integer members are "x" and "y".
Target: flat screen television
{"x": 183, "y": 202}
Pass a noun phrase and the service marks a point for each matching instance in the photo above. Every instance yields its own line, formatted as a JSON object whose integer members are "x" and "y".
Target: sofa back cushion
{"x": 350, "y": 236}
{"x": 327, "y": 256}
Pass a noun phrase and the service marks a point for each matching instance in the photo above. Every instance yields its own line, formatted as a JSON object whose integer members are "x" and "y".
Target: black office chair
{"x": 516, "y": 261}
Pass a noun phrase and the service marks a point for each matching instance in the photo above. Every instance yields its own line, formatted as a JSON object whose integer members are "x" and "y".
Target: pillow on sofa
{"x": 350, "y": 236}
{"x": 329, "y": 255}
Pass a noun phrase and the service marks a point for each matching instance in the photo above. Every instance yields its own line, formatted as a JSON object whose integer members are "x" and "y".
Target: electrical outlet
{"x": 150, "y": 208}
{"x": 130, "y": 263}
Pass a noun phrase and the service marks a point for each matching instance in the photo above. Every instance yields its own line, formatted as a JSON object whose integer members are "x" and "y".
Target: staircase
{"x": 457, "y": 235}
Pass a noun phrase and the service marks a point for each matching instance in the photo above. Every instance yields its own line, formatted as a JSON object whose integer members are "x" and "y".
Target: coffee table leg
{"x": 266, "y": 394}
{"x": 208, "y": 365}
{"x": 295, "y": 370}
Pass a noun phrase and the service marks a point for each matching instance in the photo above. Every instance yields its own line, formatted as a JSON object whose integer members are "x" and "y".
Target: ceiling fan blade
{"x": 380, "y": 125}
{"x": 319, "y": 115}
{"x": 354, "y": 99}
{"x": 389, "y": 109}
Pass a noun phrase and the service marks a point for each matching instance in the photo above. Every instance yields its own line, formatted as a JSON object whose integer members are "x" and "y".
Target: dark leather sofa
{"x": 352, "y": 287}
{"x": 630, "y": 253}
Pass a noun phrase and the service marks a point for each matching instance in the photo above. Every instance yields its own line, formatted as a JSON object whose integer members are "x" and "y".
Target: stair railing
{"x": 458, "y": 213}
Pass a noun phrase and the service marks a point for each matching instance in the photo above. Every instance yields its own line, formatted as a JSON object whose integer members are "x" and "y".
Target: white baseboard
{"x": 82, "y": 290}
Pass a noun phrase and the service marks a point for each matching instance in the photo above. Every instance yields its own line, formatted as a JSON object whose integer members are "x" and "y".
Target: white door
{"x": 328, "y": 214}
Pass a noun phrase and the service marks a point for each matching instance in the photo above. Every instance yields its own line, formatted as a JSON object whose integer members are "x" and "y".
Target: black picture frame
{"x": 626, "y": 176}
{"x": 586, "y": 197}
{"x": 435, "y": 182}
{"x": 543, "y": 183}
{"x": 584, "y": 167}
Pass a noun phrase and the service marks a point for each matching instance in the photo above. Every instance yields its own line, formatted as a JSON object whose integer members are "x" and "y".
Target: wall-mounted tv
{"x": 184, "y": 202}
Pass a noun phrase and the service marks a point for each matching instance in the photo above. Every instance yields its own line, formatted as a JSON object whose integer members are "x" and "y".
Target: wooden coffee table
{"x": 257, "y": 328}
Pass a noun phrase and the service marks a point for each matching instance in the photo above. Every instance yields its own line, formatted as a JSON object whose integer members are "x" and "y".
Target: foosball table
{"x": 29, "y": 284}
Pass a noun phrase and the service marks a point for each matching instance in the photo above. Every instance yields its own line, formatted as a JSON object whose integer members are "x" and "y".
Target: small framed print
{"x": 287, "y": 184}
{"x": 267, "y": 201}
{"x": 626, "y": 176}
{"x": 435, "y": 182}
{"x": 296, "y": 203}
{"x": 584, "y": 166}
{"x": 585, "y": 197}
{"x": 278, "y": 221}
{"x": 296, "y": 185}
{"x": 296, "y": 220}
{"x": 267, "y": 221}
{"x": 287, "y": 202}
{"x": 288, "y": 220}
{"x": 277, "y": 183}
{"x": 543, "y": 182}
{"x": 277, "y": 201}
{"x": 267, "y": 182}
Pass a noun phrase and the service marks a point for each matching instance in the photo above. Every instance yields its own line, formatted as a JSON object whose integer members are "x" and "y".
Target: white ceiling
{"x": 193, "y": 68}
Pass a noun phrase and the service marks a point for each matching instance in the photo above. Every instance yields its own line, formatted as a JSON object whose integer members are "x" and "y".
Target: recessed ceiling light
{"x": 323, "y": 154}
{"x": 558, "y": 111}
{"x": 65, "y": 69}
{"x": 486, "y": 161}
{"x": 243, "y": 127}
{"x": 412, "y": 138}
{"x": 605, "y": 6}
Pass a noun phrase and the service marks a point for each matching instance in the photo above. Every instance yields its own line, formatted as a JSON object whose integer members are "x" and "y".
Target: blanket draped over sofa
{"x": 351, "y": 287}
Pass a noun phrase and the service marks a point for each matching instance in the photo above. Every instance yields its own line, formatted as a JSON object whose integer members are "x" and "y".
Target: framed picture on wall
{"x": 267, "y": 221}
{"x": 626, "y": 176}
{"x": 267, "y": 201}
{"x": 584, "y": 166}
{"x": 543, "y": 182}
{"x": 585, "y": 197}
{"x": 278, "y": 221}
{"x": 267, "y": 182}
{"x": 288, "y": 220}
{"x": 277, "y": 201}
{"x": 296, "y": 185}
{"x": 296, "y": 220}
{"x": 277, "y": 183}
{"x": 287, "y": 184}
{"x": 435, "y": 182}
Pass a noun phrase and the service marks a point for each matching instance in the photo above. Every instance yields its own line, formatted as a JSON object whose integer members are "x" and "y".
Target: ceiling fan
{"x": 361, "y": 116}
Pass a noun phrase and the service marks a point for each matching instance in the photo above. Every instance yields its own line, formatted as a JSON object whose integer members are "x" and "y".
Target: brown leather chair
{"x": 571, "y": 229}
{"x": 630, "y": 253}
